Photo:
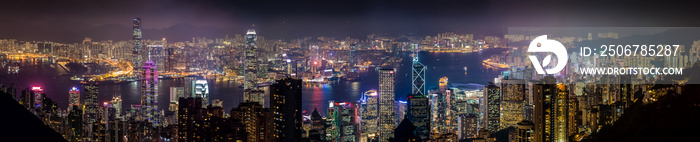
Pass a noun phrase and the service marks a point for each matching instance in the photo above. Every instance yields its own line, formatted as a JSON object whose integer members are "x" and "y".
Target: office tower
{"x": 170, "y": 59}
{"x": 155, "y": 54}
{"x": 523, "y": 132}
{"x": 175, "y": 94}
{"x": 189, "y": 86}
{"x": 512, "y": 97}
{"x": 251, "y": 93}
{"x": 442, "y": 117}
{"x": 369, "y": 116}
{"x": 91, "y": 105}
{"x": 343, "y": 118}
{"x": 74, "y": 99}
{"x": 201, "y": 89}
{"x": 190, "y": 119}
{"x": 467, "y": 126}
{"x": 149, "y": 93}
{"x": 285, "y": 103}
{"x": 38, "y": 98}
{"x": 386, "y": 104}
{"x": 561, "y": 113}
{"x": 492, "y": 116}
{"x": 136, "y": 39}
{"x": 417, "y": 76}
{"x": 116, "y": 103}
{"x": 550, "y": 115}
{"x": 399, "y": 111}
{"x": 418, "y": 112}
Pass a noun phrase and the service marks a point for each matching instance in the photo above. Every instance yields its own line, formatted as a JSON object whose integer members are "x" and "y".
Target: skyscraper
{"x": 544, "y": 99}
{"x": 155, "y": 54}
{"x": 251, "y": 93}
{"x": 149, "y": 93}
{"x": 369, "y": 115}
{"x": 201, "y": 89}
{"x": 492, "y": 116}
{"x": 417, "y": 76}
{"x": 190, "y": 119}
{"x": 418, "y": 112}
{"x": 386, "y": 104}
{"x": 513, "y": 93}
{"x": 91, "y": 105}
{"x": 74, "y": 99}
{"x": 285, "y": 103}
{"x": 136, "y": 39}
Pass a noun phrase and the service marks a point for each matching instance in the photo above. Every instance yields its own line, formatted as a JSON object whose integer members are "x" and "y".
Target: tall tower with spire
{"x": 251, "y": 93}
{"x": 417, "y": 74}
{"x": 138, "y": 45}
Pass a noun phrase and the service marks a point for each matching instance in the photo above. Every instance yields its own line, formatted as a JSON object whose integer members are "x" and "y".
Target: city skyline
{"x": 337, "y": 71}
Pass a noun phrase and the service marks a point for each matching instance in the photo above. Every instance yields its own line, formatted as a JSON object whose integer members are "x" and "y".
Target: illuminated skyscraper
{"x": 417, "y": 76}
{"x": 550, "y": 111}
{"x": 74, "y": 99}
{"x": 149, "y": 92}
{"x": 136, "y": 39}
{"x": 251, "y": 93}
{"x": 513, "y": 93}
{"x": 155, "y": 54}
{"x": 418, "y": 112}
{"x": 91, "y": 105}
{"x": 386, "y": 104}
{"x": 492, "y": 116}
{"x": 201, "y": 89}
{"x": 116, "y": 103}
{"x": 369, "y": 115}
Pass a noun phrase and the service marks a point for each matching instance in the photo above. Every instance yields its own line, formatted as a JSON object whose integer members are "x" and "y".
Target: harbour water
{"x": 56, "y": 82}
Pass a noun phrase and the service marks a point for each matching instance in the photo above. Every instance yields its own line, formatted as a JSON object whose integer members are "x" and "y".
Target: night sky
{"x": 177, "y": 20}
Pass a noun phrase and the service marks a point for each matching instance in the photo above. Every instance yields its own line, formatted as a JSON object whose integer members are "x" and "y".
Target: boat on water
{"x": 14, "y": 69}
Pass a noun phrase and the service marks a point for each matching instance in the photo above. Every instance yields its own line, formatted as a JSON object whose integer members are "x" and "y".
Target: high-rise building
{"x": 317, "y": 132}
{"x": 344, "y": 119}
{"x": 175, "y": 94}
{"x": 524, "y": 132}
{"x": 417, "y": 76}
{"x": 155, "y": 54}
{"x": 251, "y": 93}
{"x": 91, "y": 105}
{"x": 418, "y": 112}
{"x": 138, "y": 44}
{"x": 492, "y": 116}
{"x": 256, "y": 120}
{"x": 116, "y": 103}
{"x": 190, "y": 119}
{"x": 399, "y": 111}
{"x": 74, "y": 99}
{"x": 551, "y": 106}
{"x": 201, "y": 89}
{"x": 467, "y": 128}
{"x": 386, "y": 104}
{"x": 149, "y": 93}
{"x": 369, "y": 116}
{"x": 512, "y": 97}
{"x": 285, "y": 103}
